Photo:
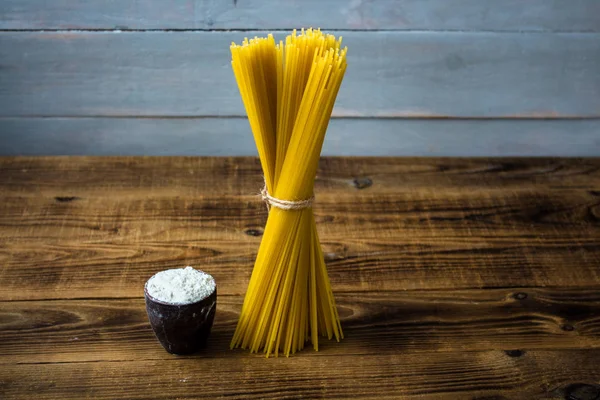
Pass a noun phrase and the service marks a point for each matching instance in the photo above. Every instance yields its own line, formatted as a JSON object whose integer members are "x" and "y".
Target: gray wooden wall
{"x": 425, "y": 77}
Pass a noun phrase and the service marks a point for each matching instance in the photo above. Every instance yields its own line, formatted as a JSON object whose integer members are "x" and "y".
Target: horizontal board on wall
{"x": 505, "y": 15}
{"x": 232, "y": 136}
{"x": 390, "y": 74}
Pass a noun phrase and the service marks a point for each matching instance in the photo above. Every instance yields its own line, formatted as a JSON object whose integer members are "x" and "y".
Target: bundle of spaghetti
{"x": 288, "y": 92}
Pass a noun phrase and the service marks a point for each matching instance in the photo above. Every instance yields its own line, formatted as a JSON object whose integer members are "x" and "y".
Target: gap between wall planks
{"x": 461, "y": 15}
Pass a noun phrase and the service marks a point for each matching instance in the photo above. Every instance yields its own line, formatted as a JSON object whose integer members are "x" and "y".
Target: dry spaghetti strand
{"x": 288, "y": 91}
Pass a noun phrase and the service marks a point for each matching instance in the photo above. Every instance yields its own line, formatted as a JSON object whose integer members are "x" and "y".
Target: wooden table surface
{"x": 455, "y": 278}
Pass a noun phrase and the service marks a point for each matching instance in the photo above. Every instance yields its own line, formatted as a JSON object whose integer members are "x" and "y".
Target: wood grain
{"x": 346, "y": 136}
{"x": 55, "y": 176}
{"x": 466, "y": 375}
{"x": 91, "y": 270}
{"x": 507, "y": 15}
{"x": 374, "y": 323}
{"x": 455, "y": 278}
{"x": 440, "y": 74}
{"x": 98, "y": 227}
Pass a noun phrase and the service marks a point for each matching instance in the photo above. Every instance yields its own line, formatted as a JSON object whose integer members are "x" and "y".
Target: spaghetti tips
{"x": 288, "y": 91}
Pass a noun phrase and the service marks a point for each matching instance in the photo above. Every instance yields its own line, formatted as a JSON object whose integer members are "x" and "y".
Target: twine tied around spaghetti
{"x": 271, "y": 201}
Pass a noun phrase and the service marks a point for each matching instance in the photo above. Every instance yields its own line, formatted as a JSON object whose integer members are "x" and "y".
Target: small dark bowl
{"x": 181, "y": 328}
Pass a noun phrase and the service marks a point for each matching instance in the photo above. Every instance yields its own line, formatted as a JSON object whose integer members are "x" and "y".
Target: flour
{"x": 180, "y": 285}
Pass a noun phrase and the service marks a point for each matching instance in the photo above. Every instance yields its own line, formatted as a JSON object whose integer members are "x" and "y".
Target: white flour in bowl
{"x": 180, "y": 285}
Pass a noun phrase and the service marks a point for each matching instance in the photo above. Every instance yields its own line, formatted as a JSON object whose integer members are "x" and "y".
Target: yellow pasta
{"x": 288, "y": 91}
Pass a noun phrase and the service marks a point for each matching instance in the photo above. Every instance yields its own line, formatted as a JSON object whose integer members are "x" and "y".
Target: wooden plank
{"x": 526, "y": 214}
{"x": 36, "y": 269}
{"x": 390, "y": 74}
{"x": 374, "y": 323}
{"x": 235, "y": 176}
{"x": 98, "y": 227}
{"x": 507, "y": 15}
{"x": 346, "y": 136}
{"x": 468, "y": 375}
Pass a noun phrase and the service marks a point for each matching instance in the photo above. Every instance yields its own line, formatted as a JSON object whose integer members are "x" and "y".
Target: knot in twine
{"x": 271, "y": 201}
